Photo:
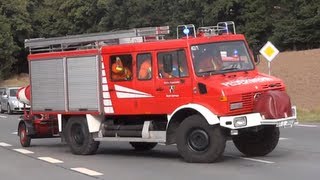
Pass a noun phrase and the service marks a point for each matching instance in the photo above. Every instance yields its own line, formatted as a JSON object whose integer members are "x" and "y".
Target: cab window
{"x": 178, "y": 60}
{"x": 121, "y": 67}
{"x": 144, "y": 66}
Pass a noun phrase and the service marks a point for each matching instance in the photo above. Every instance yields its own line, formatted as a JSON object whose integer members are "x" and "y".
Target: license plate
{"x": 286, "y": 124}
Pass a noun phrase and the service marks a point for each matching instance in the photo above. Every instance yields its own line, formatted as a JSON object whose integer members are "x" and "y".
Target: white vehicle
{"x": 9, "y": 101}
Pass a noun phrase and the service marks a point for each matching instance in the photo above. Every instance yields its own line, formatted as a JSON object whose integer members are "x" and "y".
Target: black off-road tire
{"x": 25, "y": 140}
{"x": 258, "y": 143}
{"x": 199, "y": 142}
{"x": 78, "y": 137}
{"x": 143, "y": 146}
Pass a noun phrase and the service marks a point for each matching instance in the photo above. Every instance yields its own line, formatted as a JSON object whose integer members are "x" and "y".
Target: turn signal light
{"x": 223, "y": 98}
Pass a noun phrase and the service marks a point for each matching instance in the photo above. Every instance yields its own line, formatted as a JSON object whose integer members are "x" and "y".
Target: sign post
{"x": 269, "y": 51}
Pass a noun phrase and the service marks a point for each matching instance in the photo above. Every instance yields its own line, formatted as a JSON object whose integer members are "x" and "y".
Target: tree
{"x": 7, "y": 48}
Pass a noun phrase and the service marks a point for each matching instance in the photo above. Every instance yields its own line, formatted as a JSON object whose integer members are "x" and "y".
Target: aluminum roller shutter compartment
{"x": 82, "y": 80}
{"x": 47, "y": 80}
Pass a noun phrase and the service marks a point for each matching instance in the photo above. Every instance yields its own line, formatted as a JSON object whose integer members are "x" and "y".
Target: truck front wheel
{"x": 198, "y": 142}
{"x": 258, "y": 143}
{"x": 79, "y": 138}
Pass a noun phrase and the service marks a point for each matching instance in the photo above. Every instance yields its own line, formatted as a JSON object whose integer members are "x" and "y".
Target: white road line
{"x": 87, "y": 171}
{"x": 283, "y": 138}
{"x": 23, "y": 151}
{"x": 306, "y": 125}
{"x": 5, "y": 144}
{"x": 14, "y": 133}
{"x": 251, "y": 159}
{"x": 257, "y": 160}
{"x": 3, "y": 117}
{"x": 50, "y": 160}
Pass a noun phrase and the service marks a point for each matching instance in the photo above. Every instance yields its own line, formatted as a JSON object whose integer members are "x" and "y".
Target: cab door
{"x": 144, "y": 82}
{"x": 173, "y": 87}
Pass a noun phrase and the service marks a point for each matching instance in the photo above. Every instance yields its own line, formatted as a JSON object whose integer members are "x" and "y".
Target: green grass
{"x": 308, "y": 115}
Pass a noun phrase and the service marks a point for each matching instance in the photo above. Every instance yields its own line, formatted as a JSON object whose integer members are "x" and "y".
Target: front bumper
{"x": 255, "y": 119}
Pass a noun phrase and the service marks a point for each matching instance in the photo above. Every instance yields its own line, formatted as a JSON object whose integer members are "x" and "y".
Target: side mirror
{"x": 167, "y": 63}
{"x": 256, "y": 57}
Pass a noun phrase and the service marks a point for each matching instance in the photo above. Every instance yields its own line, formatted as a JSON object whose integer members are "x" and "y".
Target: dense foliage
{"x": 289, "y": 24}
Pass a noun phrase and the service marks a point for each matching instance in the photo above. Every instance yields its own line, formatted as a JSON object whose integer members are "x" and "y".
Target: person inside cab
{"x": 162, "y": 73}
{"x": 119, "y": 72}
{"x": 209, "y": 62}
{"x": 145, "y": 70}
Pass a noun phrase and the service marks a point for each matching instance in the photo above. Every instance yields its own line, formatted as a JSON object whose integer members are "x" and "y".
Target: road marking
{"x": 50, "y": 160}
{"x": 14, "y": 133}
{"x": 5, "y": 144}
{"x": 251, "y": 159}
{"x": 23, "y": 151}
{"x": 306, "y": 125}
{"x": 3, "y": 116}
{"x": 87, "y": 171}
{"x": 257, "y": 160}
{"x": 283, "y": 138}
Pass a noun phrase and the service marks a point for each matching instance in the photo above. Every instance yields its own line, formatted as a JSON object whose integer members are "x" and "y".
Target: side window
{"x": 144, "y": 66}
{"x": 179, "y": 64}
{"x": 121, "y": 67}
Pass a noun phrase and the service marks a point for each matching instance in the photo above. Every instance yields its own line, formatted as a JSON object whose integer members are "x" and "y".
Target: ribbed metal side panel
{"x": 47, "y": 80}
{"x": 82, "y": 83}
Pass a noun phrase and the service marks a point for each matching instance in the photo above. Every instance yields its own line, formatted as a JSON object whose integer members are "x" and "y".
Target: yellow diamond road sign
{"x": 269, "y": 51}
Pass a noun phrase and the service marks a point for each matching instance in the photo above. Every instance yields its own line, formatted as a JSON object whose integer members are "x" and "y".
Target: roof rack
{"x": 227, "y": 27}
{"x": 96, "y": 40}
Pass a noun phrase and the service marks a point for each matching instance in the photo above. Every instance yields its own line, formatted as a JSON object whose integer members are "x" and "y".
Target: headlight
{"x": 234, "y": 106}
{"x": 240, "y": 121}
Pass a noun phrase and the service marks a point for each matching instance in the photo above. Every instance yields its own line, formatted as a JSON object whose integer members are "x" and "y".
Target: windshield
{"x": 13, "y": 92}
{"x": 222, "y": 57}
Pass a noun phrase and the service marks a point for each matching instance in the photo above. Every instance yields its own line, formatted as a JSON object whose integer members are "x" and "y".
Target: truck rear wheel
{"x": 258, "y": 143}
{"x": 25, "y": 140}
{"x": 198, "y": 142}
{"x": 143, "y": 146}
{"x": 79, "y": 138}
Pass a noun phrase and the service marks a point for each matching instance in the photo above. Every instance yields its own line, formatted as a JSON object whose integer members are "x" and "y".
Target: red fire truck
{"x": 196, "y": 91}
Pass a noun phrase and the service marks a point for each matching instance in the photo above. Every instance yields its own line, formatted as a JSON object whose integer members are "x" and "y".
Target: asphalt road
{"x": 297, "y": 156}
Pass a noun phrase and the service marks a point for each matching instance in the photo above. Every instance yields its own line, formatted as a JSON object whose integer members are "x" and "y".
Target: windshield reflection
{"x": 221, "y": 57}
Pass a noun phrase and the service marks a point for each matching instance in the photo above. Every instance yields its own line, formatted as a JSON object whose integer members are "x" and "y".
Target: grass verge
{"x": 308, "y": 115}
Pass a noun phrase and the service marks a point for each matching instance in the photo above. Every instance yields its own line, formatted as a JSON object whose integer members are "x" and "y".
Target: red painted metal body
{"x": 185, "y": 88}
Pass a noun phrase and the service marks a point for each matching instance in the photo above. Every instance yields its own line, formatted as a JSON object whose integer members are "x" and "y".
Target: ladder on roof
{"x": 96, "y": 40}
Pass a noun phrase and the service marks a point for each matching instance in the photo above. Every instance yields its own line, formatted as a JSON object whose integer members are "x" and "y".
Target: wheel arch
{"x": 181, "y": 113}
{"x": 93, "y": 121}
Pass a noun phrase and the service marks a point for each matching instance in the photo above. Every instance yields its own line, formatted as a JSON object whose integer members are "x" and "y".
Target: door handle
{"x": 159, "y": 89}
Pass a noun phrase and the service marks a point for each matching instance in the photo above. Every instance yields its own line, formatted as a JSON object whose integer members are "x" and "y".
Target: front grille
{"x": 247, "y": 105}
{"x": 248, "y": 102}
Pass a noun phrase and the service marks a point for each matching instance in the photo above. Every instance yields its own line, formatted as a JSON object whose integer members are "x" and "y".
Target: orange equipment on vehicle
{"x": 119, "y": 72}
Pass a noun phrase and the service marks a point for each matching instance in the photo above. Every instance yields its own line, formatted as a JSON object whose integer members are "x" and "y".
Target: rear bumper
{"x": 255, "y": 119}
{"x": 19, "y": 107}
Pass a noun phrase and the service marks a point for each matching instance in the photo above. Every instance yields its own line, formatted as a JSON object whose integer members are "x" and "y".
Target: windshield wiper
{"x": 208, "y": 72}
{"x": 230, "y": 69}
